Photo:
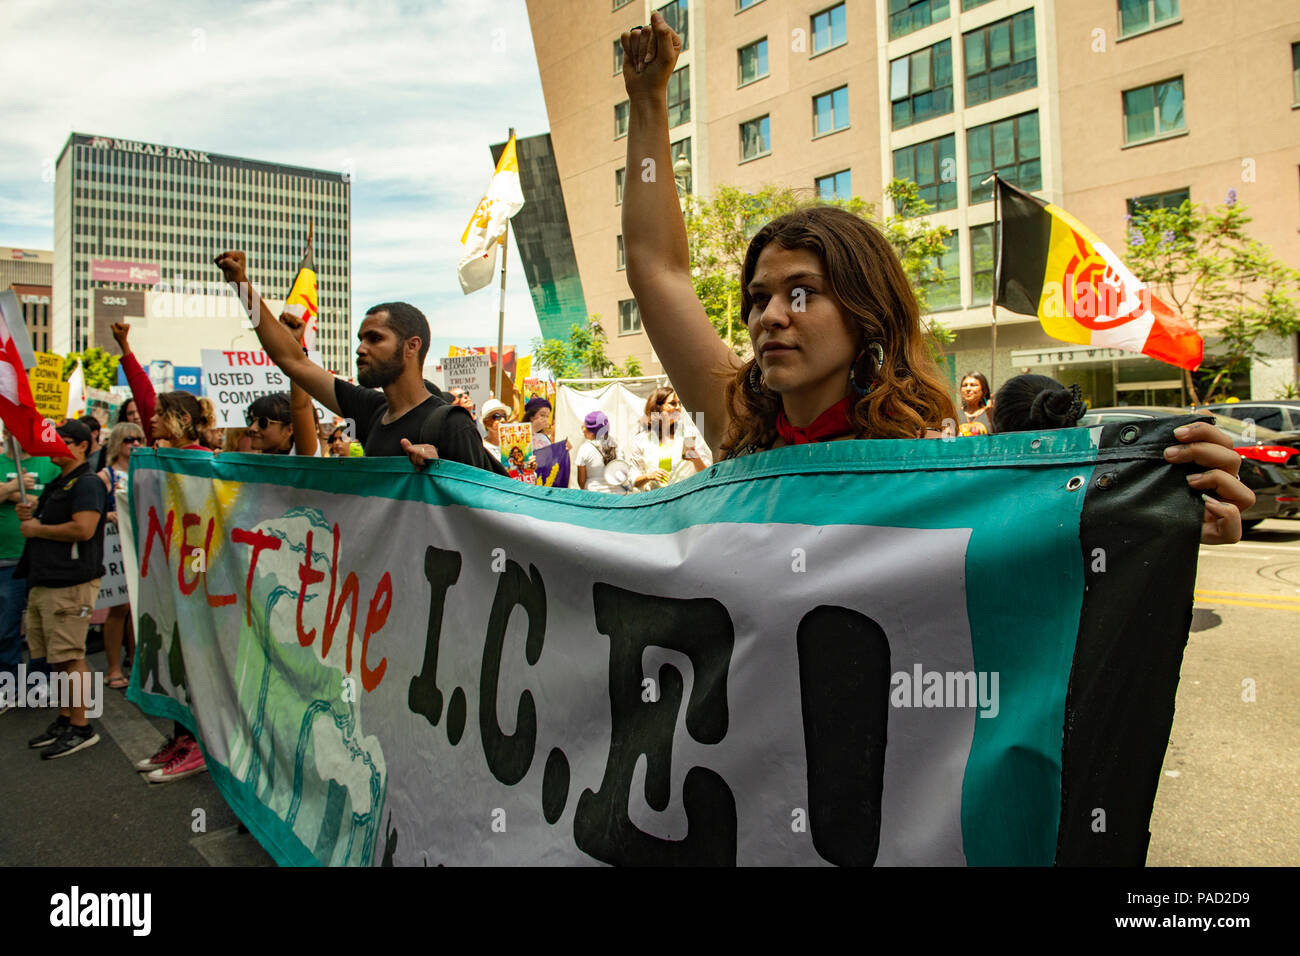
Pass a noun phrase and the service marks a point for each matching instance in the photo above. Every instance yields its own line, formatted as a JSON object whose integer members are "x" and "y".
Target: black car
{"x": 1270, "y": 467}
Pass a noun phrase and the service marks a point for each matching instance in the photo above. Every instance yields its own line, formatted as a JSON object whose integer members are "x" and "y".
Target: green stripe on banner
{"x": 1024, "y": 591}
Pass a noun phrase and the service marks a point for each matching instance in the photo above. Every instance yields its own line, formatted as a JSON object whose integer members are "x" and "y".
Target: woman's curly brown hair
{"x": 870, "y": 286}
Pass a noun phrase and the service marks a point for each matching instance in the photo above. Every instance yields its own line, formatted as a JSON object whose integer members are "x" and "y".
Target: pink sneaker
{"x": 162, "y": 758}
{"x": 186, "y": 762}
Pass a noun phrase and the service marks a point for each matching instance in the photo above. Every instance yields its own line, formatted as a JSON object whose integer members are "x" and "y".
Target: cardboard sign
{"x": 49, "y": 390}
{"x": 469, "y": 372}
{"x": 516, "y": 449}
{"x": 234, "y": 379}
{"x": 112, "y": 586}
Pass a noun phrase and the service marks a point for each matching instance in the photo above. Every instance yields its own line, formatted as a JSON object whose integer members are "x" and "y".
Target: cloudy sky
{"x": 407, "y": 96}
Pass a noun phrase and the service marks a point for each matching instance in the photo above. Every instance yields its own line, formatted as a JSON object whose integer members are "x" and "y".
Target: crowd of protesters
{"x": 847, "y": 362}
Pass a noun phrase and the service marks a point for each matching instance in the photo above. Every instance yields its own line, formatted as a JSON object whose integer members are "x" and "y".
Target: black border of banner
{"x": 1137, "y": 516}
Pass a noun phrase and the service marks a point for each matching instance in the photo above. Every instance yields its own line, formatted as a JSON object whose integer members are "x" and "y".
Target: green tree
{"x": 1203, "y": 263}
{"x": 719, "y": 230}
{"x": 583, "y": 356}
{"x": 98, "y": 366}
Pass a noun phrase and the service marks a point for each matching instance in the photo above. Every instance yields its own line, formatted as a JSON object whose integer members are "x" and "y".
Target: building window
{"x": 972, "y": 4}
{"x": 618, "y": 56}
{"x": 1001, "y": 59}
{"x": 755, "y": 138}
{"x": 620, "y": 118}
{"x": 629, "y": 317}
{"x": 682, "y": 150}
{"x": 920, "y": 85}
{"x": 745, "y": 4}
{"x": 1138, "y": 15}
{"x": 753, "y": 61}
{"x": 620, "y": 175}
{"x": 1153, "y": 111}
{"x": 679, "y": 97}
{"x": 932, "y": 165}
{"x": 828, "y": 29}
{"x": 622, "y": 258}
{"x": 618, "y": 4}
{"x": 835, "y": 186}
{"x": 942, "y": 295}
{"x": 675, "y": 15}
{"x": 1170, "y": 200}
{"x": 983, "y": 263}
{"x": 831, "y": 111}
{"x": 1295, "y": 73}
{"x": 908, "y": 16}
{"x": 1009, "y": 147}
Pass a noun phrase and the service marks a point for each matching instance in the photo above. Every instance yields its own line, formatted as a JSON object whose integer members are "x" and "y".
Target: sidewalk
{"x": 93, "y": 809}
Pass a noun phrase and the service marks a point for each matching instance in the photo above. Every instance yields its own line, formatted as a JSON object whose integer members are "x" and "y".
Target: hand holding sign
{"x": 420, "y": 455}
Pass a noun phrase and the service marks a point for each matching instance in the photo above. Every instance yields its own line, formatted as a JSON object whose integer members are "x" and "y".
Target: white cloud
{"x": 405, "y": 96}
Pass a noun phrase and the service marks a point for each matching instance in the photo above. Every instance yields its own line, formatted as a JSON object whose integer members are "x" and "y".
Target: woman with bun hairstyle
{"x": 1033, "y": 403}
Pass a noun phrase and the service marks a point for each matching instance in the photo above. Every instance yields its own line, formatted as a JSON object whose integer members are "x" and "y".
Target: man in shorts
{"x": 63, "y": 560}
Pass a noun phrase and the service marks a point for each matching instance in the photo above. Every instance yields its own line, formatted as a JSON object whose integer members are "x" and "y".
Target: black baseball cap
{"x": 75, "y": 432}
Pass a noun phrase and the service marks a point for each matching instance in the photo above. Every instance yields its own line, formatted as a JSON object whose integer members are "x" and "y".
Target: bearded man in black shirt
{"x": 405, "y": 417}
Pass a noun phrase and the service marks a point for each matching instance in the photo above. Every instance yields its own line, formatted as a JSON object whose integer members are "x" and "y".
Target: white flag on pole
{"x": 487, "y": 227}
{"x": 77, "y": 392}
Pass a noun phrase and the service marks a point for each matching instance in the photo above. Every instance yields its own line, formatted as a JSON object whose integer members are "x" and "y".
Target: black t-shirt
{"x": 59, "y": 564}
{"x": 459, "y": 441}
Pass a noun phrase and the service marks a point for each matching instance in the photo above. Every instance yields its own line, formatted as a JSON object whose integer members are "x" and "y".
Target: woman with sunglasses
{"x": 125, "y": 438}
{"x": 839, "y": 351}
{"x": 495, "y": 414}
{"x": 275, "y": 428}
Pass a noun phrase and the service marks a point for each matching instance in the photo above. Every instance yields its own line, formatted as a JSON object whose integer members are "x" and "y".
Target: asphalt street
{"x": 1227, "y": 795}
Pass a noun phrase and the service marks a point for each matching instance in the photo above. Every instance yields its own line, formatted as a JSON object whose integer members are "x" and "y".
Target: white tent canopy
{"x": 623, "y": 402}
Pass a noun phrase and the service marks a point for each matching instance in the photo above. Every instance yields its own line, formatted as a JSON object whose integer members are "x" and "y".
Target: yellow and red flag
{"x": 303, "y": 293}
{"x": 1053, "y": 266}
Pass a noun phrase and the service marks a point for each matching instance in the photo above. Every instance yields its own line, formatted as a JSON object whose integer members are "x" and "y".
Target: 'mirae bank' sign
{"x": 131, "y": 146}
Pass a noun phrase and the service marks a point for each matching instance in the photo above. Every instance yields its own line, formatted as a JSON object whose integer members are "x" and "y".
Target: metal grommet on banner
{"x": 1036, "y": 443}
{"x": 1129, "y": 434}
{"x": 1075, "y": 483}
{"x": 1106, "y": 481}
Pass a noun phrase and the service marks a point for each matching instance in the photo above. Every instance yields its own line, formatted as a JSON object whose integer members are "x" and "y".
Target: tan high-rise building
{"x": 1098, "y": 106}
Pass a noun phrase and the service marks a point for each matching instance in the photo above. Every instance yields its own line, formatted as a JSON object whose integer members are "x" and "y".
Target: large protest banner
{"x": 889, "y": 652}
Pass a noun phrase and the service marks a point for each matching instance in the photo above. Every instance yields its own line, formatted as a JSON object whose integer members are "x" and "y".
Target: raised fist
{"x": 294, "y": 318}
{"x": 120, "y": 329}
{"x": 649, "y": 55}
{"x": 233, "y": 266}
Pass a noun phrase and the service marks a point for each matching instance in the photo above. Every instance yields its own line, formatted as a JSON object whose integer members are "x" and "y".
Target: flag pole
{"x": 17, "y": 455}
{"x": 997, "y": 272}
{"x": 501, "y": 314}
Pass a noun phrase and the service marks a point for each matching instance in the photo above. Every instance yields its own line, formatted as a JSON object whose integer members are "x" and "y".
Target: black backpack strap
{"x": 432, "y": 429}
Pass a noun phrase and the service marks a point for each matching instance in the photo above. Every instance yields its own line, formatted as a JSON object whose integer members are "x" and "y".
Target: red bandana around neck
{"x": 832, "y": 423}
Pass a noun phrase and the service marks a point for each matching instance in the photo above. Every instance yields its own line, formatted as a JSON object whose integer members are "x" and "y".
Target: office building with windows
{"x": 134, "y": 221}
{"x": 1099, "y": 106}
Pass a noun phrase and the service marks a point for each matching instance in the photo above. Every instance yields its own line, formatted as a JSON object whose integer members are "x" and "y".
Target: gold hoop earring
{"x": 756, "y": 379}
